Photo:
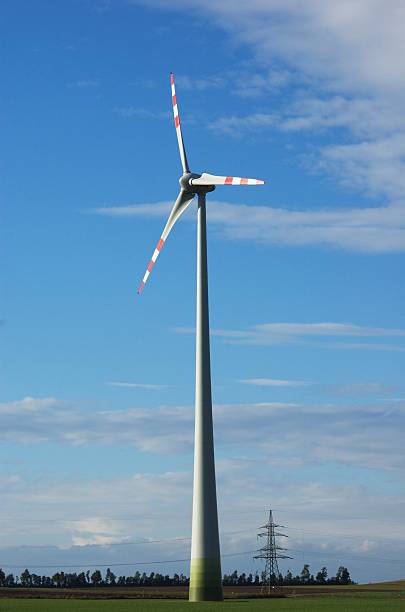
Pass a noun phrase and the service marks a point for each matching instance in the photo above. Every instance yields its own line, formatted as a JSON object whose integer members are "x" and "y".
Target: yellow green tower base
{"x": 205, "y": 580}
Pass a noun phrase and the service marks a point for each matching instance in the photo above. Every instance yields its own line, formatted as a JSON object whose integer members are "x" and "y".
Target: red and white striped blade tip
{"x": 212, "y": 179}
{"x": 155, "y": 255}
{"x": 239, "y": 180}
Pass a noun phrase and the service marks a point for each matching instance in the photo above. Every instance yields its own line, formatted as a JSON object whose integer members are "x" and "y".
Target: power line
{"x": 338, "y": 517}
{"x": 237, "y": 554}
{"x": 137, "y": 543}
{"x": 313, "y": 553}
{"x": 226, "y": 533}
{"x": 321, "y": 554}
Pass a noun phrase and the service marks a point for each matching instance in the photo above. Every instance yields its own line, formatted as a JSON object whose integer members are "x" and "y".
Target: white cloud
{"x": 344, "y": 63}
{"x": 361, "y": 389}
{"x": 272, "y": 382}
{"x": 236, "y": 125}
{"x": 337, "y": 518}
{"x": 355, "y": 47}
{"x": 286, "y": 333}
{"x": 360, "y": 434}
{"x": 85, "y": 83}
{"x": 200, "y": 83}
{"x": 326, "y": 329}
{"x": 159, "y": 209}
{"x": 368, "y": 230}
{"x": 142, "y": 113}
{"x": 96, "y": 530}
{"x": 131, "y": 385}
{"x": 377, "y": 166}
{"x": 259, "y": 448}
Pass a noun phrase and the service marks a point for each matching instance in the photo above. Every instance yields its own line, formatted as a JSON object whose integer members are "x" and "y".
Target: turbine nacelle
{"x": 187, "y": 183}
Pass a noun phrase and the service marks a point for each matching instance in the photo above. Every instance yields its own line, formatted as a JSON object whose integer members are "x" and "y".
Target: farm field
{"x": 362, "y": 602}
{"x": 377, "y": 597}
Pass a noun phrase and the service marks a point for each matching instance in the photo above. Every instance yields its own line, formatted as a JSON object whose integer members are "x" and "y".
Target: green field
{"x": 343, "y": 603}
{"x": 376, "y": 597}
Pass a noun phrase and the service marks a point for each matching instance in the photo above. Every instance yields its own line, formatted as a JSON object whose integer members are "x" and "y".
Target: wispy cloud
{"x": 272, "y": 382}
{"x": 158, "y": 210}
{"x": 154, "y": 511}
{"x": 287, "y": 333}
{"x": 97, "y": 530}
{"x": 339, "y": 80}
{"x": 266, "y": 436}
{"x": 85, "y": 83}
{"x": 364, "y": 230}
{"x": 132, "y": 385}
{"x": 361, "y": 389}
{"x": 142, "y": 113}
{"x": 200, "y": 83}
{"x": 237, "y": 126}
{"x": 359, "y": 434}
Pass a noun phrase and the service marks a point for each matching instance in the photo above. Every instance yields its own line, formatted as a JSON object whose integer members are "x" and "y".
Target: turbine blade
{"x": 211, "y": 179}
{"x": 183, "y": 201}
{"x": 176, "y": 115}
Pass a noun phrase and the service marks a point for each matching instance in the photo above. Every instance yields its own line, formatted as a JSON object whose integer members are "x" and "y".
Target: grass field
{"x": 359, "y": 602}
{"x": 377, "y": 597}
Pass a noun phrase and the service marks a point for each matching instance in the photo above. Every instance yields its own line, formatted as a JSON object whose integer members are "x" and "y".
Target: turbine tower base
{"x": 205, "y": 580}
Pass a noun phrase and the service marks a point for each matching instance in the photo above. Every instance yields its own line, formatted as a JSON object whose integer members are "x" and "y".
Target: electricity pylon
{"x": 271, "y": 552}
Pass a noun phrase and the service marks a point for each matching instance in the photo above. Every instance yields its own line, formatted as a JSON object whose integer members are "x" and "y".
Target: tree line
{"x": 95, "y": 579}
{"x": 342, "y": 576}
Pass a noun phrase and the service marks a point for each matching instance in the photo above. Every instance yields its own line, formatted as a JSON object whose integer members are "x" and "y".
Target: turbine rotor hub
{"x": 185, "y": 183}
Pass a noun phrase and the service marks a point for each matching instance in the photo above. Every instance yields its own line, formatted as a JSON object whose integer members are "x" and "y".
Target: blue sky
{"x": 306, "y": 291}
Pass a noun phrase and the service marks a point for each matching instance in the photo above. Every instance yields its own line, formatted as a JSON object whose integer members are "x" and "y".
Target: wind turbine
{"x": 205, "y": 567}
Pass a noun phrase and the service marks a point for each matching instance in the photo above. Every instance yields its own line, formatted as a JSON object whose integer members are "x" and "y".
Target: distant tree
{"x": 322, "y": 576}
{"x": 25, "y": 577}
{"x": 46, "y": 581}
{"x": 96, "y": 578}
{"x": 110, "y": 577}
{"x": 74, "y": 580}
{"x": 10, "y": 580}
{"x": 343, "y": 575}
{"x": 56, "y": 579}
{"x": 36, "y": 580}
{"x": 288, "y": 578}
{"x": 305, "y": 574}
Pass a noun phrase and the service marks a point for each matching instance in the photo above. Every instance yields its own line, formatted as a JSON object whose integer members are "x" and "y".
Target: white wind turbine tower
{"x": 205, "y": 567}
